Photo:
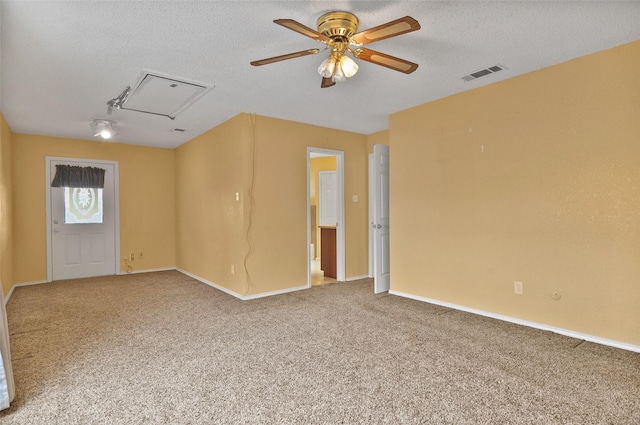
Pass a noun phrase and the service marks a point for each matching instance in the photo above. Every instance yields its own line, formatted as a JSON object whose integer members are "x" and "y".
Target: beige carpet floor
{"x": 162, "y": 348}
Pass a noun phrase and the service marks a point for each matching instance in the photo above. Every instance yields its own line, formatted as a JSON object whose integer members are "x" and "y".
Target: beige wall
{"x": 265, "y": 160}
{"x": 280, "y": 225}
{"x": 211, "y": 223}
{"x": 179, "y": 206}
{"x": 6, "y": 208}
{"x": 533, "y": 179}
{"x": 147, "y": 200}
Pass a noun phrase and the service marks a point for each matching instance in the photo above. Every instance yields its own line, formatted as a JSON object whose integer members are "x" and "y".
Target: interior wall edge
{"x": 16, "y": 285}
{"x": 211, "y": 284}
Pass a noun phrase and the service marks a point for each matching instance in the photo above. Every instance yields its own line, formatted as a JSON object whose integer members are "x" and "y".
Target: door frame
{"x": 340, "y": 233}
{"x": 371, "y": 206}
{"x": 116, "y": 206}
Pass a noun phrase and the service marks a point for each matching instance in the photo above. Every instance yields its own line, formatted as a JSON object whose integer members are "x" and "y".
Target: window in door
{"x": 82, "y": 205}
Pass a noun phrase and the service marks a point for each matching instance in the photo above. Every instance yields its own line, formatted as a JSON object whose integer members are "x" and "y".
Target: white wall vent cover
{"x": 482, "y": 72}
{"x": 163, "y": 95}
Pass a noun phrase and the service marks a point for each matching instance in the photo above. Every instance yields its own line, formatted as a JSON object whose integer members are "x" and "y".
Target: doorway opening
{"x": 325, "y": 216}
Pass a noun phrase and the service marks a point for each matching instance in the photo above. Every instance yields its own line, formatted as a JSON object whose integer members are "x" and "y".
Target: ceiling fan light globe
{"x": 338, "y": 75}
{"x": 348, "y": 66}
{"x": 327, "y": 67}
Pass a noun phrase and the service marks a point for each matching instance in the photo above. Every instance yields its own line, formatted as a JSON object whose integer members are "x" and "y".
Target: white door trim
{"x": 47, "y": 182}
{"x": 340, "y": 233}
{"x": 372, "y": 201}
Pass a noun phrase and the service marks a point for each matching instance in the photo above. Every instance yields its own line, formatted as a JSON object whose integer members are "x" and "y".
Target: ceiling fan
{"x": 337, "y": 30}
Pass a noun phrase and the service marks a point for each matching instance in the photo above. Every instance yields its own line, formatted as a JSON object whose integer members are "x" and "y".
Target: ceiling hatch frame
{"x": 161, "y": 94}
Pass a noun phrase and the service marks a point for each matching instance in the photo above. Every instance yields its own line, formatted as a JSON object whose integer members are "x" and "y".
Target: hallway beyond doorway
{"x": 317, "y": 275}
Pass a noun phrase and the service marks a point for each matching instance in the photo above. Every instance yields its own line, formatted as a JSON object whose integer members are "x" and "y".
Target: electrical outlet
{"x": 233, "y": 269}
{"x": 132, "y": 257}
{"x": 518, "y": 287}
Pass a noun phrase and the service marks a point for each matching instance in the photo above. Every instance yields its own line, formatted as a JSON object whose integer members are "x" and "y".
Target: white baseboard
{"x": 271, "y": 293}
{"x": 37, "y": 282}
{"x": 147, "y": 271}
{"x": 198, "y": 278}
{"x": 561, "y": 331}
{"x": 209, "y": 283}
{"x": 352, "y": 278}
{"x": 237, "y": 295}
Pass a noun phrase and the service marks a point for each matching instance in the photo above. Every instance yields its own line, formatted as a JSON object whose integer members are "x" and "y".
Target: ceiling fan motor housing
{"x": 339, "y": 26}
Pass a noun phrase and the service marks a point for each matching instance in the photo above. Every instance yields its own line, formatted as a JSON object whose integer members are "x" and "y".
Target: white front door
{"x": 83, "y": 230}
{"x": 380, "y": 222}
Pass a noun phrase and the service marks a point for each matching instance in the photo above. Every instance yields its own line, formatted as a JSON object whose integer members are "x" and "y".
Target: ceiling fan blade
{"x": 388, "y": 61}
{"x": 327, "y": 82}
{"x": 301, "y": 29}
{"x": 285, "y": 57}
{"x": 390, "y": 29}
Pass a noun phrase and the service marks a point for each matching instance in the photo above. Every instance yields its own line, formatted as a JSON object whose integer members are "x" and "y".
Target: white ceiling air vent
{"x": 482, "y": 72}
{"x": 163, "y": 95}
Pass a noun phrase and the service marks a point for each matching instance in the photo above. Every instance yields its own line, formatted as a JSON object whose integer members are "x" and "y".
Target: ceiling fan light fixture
{"x": 338, "y": 31}
{"x": 103, "y": 128}
{"x": 349, "y": 66}
{"x": 338, "y": 75}
{"x": 327, "y": 67}
{"x": 338, "y": 68}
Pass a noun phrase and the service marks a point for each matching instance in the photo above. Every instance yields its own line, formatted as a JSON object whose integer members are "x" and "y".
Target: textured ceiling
{"x": 61, "y": 61}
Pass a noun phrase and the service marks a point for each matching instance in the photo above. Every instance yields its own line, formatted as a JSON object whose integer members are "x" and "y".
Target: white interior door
{"x": 380, "y": 222}
{"x": 83, "y": 225}
{"x": 327, "y": 198}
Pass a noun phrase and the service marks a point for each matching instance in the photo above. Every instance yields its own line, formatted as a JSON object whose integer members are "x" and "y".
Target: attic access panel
{"x": 163, "y": 95}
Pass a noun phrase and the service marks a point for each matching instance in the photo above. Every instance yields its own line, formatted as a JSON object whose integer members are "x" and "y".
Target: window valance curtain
{"x": 74, "y": 176}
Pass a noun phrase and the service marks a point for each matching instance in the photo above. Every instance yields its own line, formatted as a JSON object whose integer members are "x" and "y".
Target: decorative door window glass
{"x": 82, "y": 205}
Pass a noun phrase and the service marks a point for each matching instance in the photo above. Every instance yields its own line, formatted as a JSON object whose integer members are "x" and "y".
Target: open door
{"x": 380, "y": 223}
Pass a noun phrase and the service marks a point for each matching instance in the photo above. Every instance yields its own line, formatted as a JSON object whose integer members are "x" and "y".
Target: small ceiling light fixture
{"x": 103, "y": 128}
